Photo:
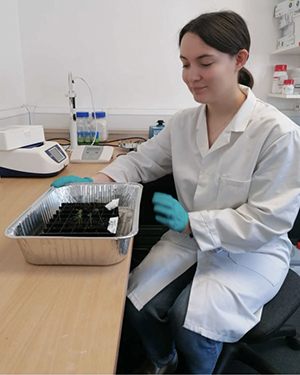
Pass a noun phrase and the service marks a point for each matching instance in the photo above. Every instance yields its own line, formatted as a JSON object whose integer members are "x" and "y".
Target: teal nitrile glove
{"x": 61, "y": 181}
{"x": 170, "y": 212}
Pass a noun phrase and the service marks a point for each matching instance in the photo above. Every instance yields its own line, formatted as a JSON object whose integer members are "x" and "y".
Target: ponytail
{"x": 245, "y": 78}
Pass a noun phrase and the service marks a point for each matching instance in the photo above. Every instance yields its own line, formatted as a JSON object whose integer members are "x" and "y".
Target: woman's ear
{"x": 241, "y": 59}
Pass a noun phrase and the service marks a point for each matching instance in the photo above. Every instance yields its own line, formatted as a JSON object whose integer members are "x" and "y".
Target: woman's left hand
{"x": 170, "y": 212}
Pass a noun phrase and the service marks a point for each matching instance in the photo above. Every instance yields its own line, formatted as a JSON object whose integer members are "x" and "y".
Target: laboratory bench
{"x": 56, "y": 319}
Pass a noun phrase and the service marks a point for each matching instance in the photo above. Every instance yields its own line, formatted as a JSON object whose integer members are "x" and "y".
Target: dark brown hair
{"x": 225, "y": 31}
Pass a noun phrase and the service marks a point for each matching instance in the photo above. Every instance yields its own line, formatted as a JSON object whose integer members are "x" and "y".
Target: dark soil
{"x": 80, "y": 220}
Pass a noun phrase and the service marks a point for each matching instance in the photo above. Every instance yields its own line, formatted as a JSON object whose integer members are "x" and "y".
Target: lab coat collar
{"x": 237, "y": 124}
{"x": 241, "y": 119}
{"x": 202, "y": 137}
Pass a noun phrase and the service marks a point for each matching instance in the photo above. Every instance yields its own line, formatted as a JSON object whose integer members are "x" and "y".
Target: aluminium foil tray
{"x": 50, "y": 250}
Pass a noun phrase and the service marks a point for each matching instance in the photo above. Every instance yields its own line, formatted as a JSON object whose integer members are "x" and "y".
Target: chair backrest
{"x": 163, "y": 185}
{"x": 294, "y": 233}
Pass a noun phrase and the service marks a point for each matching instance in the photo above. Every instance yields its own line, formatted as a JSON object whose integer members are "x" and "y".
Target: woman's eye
{"x": 185, "y": 66}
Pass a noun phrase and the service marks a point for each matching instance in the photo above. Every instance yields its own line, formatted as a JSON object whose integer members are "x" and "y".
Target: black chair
{"x": 275, "y": 313}
{"x": 272, "y": 325}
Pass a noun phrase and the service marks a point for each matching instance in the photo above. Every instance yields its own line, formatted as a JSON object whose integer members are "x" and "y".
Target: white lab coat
{"x": 242, "y": 197}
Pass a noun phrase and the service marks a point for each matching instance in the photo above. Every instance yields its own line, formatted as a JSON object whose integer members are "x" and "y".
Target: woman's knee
{"x": 151, "y": 311}
{"x": 132, "y": 314}
{"x": 177, "y": 314}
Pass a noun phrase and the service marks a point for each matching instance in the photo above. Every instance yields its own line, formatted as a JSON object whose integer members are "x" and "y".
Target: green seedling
{"x": 78, "y": 217}
{"x": 96, "y": 211}
{"x": 90, "y": 216}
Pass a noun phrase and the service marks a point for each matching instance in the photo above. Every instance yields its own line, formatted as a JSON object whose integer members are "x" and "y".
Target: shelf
{"x": 282, "y": 96}
{"x": 291, "y": 50}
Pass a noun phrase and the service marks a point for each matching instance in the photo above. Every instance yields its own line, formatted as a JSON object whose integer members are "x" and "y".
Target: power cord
{"x": 92, "y": 104}
{"x": 129, "y": 146}
{"x": 66, "y": 145}
{"x": 124, "y": 139}
{"x": 60, "y": 139}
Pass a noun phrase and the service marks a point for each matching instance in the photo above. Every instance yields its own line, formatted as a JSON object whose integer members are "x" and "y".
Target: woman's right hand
{"x": 64, "y": 180}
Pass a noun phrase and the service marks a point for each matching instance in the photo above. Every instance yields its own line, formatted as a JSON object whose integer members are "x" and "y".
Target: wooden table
{"x": 55, "y": 319}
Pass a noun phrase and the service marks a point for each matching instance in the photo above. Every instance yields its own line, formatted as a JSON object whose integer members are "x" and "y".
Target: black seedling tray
{"x": 80, "y": 220}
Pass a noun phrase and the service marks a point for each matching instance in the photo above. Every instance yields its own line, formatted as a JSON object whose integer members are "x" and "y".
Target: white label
{"x": 113, "y": 204}
{"x": 288, "y": 89}
{"x": 113, "y": 224}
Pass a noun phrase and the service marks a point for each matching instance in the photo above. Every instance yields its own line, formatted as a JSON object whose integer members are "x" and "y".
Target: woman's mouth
{"x": 198, "y": 90}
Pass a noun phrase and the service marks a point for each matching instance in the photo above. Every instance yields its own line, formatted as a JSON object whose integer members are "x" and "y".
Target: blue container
{"x": 155, "y": 130}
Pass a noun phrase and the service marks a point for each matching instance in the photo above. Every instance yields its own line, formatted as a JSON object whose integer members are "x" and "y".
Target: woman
{"x": 235, "y": 161}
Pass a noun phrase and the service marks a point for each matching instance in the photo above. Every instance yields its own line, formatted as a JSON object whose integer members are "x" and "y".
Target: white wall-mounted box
{"x": 284, "y": 8}
{"x": 286, "y": 19}
{"x": 297, "y": 7}
{"x": 288, "y": 30}
{"x": 286, "y": 41}
{"x": 297, "y": 27}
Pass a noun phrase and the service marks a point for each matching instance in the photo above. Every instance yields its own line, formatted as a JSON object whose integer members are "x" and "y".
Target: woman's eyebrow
{"x": 199, "y": 57}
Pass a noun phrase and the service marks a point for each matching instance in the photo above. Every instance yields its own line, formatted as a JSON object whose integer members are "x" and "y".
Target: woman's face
{"x": 209, "y": 74}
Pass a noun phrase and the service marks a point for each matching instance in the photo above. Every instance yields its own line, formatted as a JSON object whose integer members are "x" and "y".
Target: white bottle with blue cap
{"x": 81, "y": 121}
{"x": 100, "y": 124}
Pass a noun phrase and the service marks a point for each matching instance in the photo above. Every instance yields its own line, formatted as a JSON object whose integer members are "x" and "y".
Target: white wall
{"x": 12, "y": 92}
{"x": 127, "y": 51}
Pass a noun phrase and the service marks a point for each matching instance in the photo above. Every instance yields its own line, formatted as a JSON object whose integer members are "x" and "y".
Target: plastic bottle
{"x": 94, "y": 130}
{"x": 155, "y": 130}
{"x": 81, "y": 120}
{"x": 295, "y": 75}
{"x": 288, "y": 87}
{"x": 280, "y": 74}
{"x": 100, "y": 123}
{"x": 87, "y": 132}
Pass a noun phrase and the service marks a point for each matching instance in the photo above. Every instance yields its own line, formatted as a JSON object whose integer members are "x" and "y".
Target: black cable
{"x": 123, "y": 139}
{"x": 59, "y": 139}
{"x": 102, "y": 143}
{"x": 99, "y": 144}
{"x": 105, "y": 144}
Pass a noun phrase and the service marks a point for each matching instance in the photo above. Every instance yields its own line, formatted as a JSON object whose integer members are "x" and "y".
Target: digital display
{"x": 55, "y": 154}
{"x": 92, "y": 153}
{"x": 92, "y": 150}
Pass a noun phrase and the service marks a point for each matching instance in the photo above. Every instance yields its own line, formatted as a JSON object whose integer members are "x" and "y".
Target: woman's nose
{"x": 193, "y": 74}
